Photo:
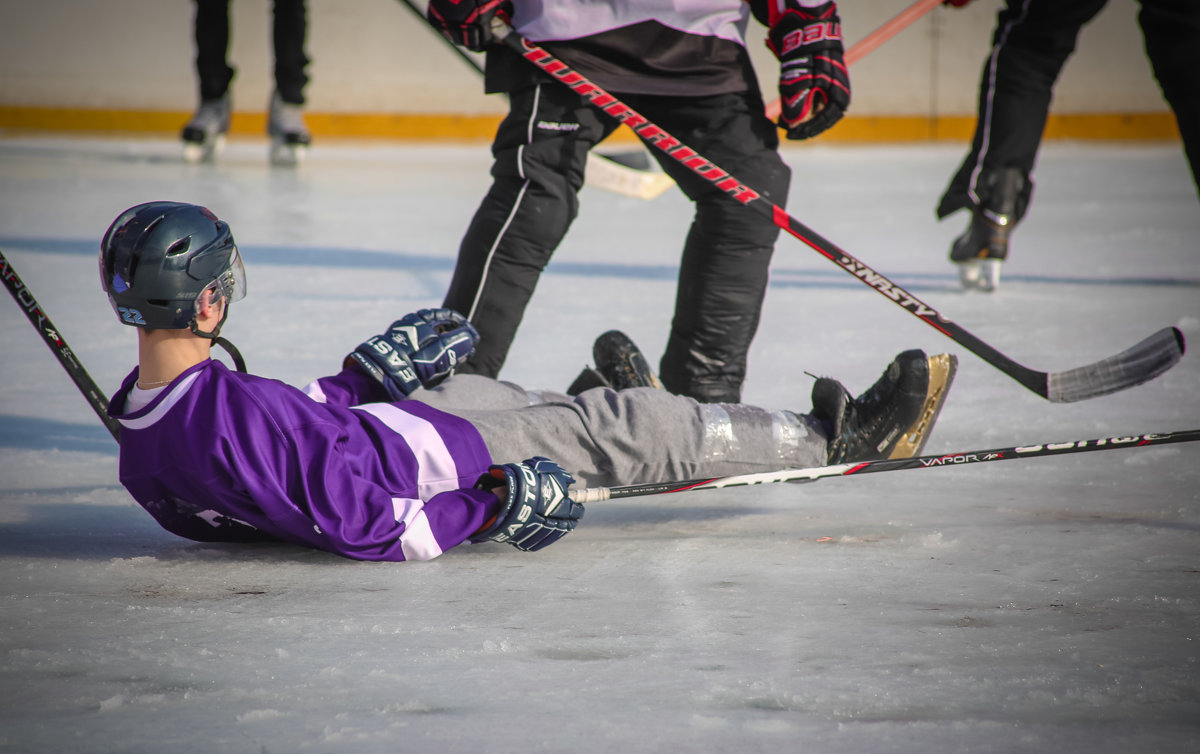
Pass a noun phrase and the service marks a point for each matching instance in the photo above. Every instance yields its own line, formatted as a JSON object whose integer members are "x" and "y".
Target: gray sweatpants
{"x": 604, "y": 437}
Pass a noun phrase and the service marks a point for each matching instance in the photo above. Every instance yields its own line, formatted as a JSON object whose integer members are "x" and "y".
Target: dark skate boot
{"x": 981, "y": 250}
{"x": 289, "y": 135}
{"x": 620, "y": 364}
{"x": 204, "y": 135}
{"x": 894, "y": 417}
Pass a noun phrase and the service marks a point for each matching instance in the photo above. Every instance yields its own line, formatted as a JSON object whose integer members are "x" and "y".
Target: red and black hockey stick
{"x": 50, "y": 335}
{"x": 1143, "y": 361}
{"x": 944, "y": 460}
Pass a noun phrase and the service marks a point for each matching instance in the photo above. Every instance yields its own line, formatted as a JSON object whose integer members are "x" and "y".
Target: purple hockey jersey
{"x": 225, "y": 456}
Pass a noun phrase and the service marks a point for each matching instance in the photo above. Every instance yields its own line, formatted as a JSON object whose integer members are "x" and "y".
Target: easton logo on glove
{"x": 550, "y": 493}
{"x": 420, "y": 349}
{"x": 536, "y": 510}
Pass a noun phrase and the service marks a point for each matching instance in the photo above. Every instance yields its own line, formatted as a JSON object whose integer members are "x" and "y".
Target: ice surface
{"x": 1038, "y": 605}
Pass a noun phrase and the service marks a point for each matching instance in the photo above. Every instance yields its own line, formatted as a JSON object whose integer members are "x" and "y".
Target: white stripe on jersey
{"x": 436, "y": 470}
{"x": 313, "y": 390}
{"x": 417, "y": 542}
{"x": 166, "y": 404}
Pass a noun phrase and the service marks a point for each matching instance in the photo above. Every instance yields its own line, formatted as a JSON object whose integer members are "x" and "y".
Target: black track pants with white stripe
{"x": 540, "y": 153}
{"x": 1032, "y": 41}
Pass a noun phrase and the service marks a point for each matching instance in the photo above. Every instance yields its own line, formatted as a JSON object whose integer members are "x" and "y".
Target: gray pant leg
{"x": 605, "y": 437}
{"x": 475, "y": 392}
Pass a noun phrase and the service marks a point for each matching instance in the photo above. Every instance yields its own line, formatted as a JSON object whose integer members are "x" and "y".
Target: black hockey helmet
{"x": 157, "y": 259}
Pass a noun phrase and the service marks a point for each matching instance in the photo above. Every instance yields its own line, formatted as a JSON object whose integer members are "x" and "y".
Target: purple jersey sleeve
{"x": 349, "y": 387}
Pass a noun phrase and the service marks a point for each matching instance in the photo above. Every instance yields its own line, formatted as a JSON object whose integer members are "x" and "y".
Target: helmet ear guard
{"x": 226, "y": 287}
{"x": 216, "y": 295}
{"x": 209, "y": 297}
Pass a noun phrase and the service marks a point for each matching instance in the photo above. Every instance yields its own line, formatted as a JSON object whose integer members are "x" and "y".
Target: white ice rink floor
{"x": 1047, "y": 605}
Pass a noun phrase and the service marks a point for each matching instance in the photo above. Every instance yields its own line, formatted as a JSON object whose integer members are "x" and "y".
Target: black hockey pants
{"x": 1032, "y": 41}
{"x": 289, "y": 29}
{"x": 540, "y": 154}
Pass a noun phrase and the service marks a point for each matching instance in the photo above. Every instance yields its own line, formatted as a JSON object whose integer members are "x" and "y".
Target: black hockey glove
{"x": 814, "y": 85}
{"x": 537, "y": 511}
{"x": 468, "y": 23}
{"x": 420, "y": 349}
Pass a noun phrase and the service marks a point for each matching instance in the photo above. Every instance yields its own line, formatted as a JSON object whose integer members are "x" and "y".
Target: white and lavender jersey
{"x": 659, "y": 47}
{"x": 546, "y": 20}
{"x": 669, "y": 48}
{"x": 224, "y": 456}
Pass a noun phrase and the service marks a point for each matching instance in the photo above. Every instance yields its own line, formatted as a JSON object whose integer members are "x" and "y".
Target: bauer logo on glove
{"x": 810, "y": 34}
{"x": 814, "y": 84}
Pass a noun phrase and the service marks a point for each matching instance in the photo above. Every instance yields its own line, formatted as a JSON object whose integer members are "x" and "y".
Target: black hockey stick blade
{"x": 52, "y": 338}
{"x": 942, "y": 461}
{"x": 1143, "y": 362}
{"x": 1133, "y": 366}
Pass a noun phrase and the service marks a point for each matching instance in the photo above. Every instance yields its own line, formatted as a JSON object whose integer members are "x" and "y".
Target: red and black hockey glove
{"x": 814, "y": 85}
{"x": 468, "y": 23}
{"x": 537, "y": 511}
{"x": 419, "y": 349}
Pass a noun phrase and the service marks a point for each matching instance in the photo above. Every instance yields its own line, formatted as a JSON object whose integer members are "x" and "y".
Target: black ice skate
{"x": 620, "y": 364}
{"x": 894, "y": 417}
{"x": 204, "y": 135}
{"x": 981, "y": 250}
{"x": 290, "y": 138}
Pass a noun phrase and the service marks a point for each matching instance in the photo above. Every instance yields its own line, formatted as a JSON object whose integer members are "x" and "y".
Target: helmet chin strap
{"x": 234, "y": 354}
{"x": 215, "y": 336}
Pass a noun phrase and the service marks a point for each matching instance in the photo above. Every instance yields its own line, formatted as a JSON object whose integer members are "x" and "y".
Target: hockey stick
{"x": 601, "y": 172}
{"x": 1141, "y": 362}
{"x": 91, "y": 392}
{"x": 867, "y": 44}
{"x": 599, "y": 494}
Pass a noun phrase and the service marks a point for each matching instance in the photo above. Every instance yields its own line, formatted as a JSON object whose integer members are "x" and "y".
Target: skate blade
{"x": 283, "y": 154}
{"x": 942, "y": 368}
{"x": 980, "y": 274}
{"x": 196, "y": 152}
